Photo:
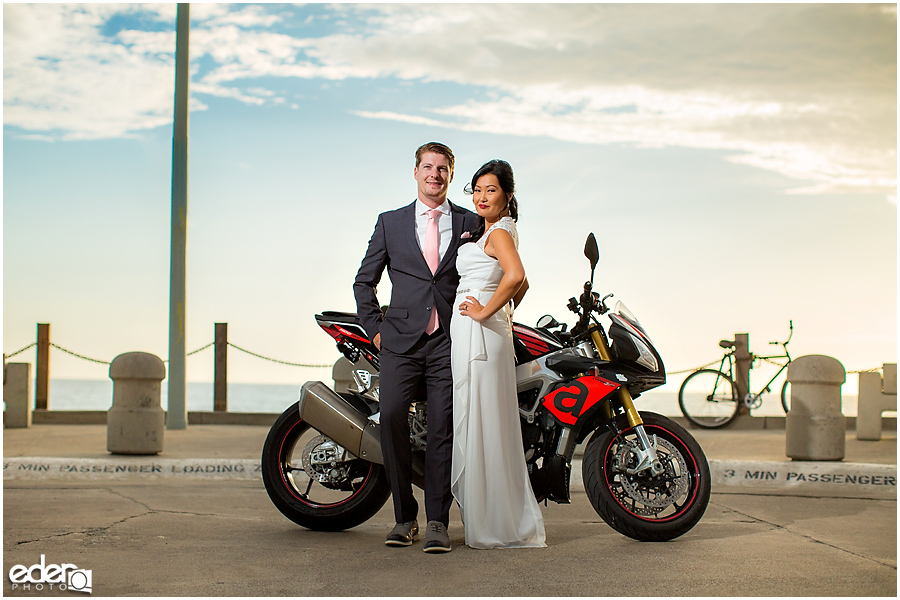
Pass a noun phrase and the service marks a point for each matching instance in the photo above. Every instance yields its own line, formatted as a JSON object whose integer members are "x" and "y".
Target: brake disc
{"x": 655, "y": 493}
{"x": 324, "y": 460}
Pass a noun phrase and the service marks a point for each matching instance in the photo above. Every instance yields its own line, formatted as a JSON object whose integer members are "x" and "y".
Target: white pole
{"x": 176, "y": 416}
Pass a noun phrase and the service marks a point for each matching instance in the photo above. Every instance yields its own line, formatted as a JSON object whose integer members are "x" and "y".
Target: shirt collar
{"x": 421, "y": 208}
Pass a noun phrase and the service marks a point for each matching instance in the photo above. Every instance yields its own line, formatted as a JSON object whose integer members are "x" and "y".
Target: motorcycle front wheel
{"x": 318, "y": 495}
{"x": 639, "y": 505}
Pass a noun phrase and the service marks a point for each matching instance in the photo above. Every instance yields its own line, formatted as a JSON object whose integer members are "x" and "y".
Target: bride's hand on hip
{"x": 472, "y": 308}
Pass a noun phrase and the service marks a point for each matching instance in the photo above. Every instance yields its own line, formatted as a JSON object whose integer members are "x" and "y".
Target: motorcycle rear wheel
{"x": 645, "y": 508}
{"x": 305, "y": 500}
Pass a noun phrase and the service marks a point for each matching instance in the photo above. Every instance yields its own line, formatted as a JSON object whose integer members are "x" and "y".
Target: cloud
{"x": 60, "y": 75}
{"x": 67, "y": 77}
{"x": 808, "y": 91}
{"x": 656, "y": 119}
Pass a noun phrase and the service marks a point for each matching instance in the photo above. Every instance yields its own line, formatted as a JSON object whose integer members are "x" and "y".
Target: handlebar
{"x": 790, "y": 335}
{"x": 588, "y": 303}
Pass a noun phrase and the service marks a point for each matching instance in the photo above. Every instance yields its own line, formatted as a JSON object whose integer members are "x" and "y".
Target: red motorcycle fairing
{"x": 336, "y": 331}
{"x": 529, "y": 343}
{"x": 349, "y": 334}
{"x": 571, "y": 401}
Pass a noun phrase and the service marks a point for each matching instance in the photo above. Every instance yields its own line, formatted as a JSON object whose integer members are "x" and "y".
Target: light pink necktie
{"x": 432, "y": 257}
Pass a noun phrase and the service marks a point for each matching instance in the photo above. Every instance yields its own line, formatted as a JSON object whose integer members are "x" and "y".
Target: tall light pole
{"x": 176, "y": 415}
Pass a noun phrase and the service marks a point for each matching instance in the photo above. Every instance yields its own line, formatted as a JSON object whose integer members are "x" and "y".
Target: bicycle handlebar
{"x": 790, "y": 335}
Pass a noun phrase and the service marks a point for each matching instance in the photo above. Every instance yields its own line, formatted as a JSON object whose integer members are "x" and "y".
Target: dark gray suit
{"x": 410, "y": 360}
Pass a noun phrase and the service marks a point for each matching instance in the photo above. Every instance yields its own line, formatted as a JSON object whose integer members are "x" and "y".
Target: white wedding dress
{"x": 489, "y": 478}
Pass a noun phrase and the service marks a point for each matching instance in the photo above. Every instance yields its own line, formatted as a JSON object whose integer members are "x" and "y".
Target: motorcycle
{"x": 644, "y": 475}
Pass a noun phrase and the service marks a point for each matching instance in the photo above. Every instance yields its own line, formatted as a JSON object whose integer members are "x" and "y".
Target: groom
{"x": 417, "y": 244}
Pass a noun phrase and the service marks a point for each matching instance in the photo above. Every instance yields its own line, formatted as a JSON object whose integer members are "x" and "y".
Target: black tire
{"x": 670, "y": 504}
{"x": 305, "y": 500}
{"x": 709, "y": 399}
{"x": 786, "y": 397}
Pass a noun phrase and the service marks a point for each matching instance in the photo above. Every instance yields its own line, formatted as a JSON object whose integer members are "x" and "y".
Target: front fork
{"x": 646, "y": 454}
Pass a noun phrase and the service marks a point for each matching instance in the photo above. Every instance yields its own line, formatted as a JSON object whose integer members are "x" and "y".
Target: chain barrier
{"x": 198, "y": 350}
{"x": 281, "y": 362}
{"x": 102, "y": 362}
{"x": 31, "y": 345}
{"x": 195, "y": 351}
{"x": 88, "y": 358}
{"x": 777, "y": 364}
{"x": 692, "y": 370}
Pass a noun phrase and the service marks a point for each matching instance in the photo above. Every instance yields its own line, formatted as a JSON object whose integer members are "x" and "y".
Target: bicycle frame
{"x": 704, "y": 396}
{"x": 751, "y": 399}
{"x": 768, "y": 386}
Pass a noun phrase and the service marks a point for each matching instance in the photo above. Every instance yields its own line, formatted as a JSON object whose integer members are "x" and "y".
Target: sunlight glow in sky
{"x": 737, "y": 163}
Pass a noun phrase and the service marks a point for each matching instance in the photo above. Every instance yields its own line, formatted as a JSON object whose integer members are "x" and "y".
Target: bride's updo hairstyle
{"x": 504, "y": 174}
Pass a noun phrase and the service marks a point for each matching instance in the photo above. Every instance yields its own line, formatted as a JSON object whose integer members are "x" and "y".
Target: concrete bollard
{"x": 136, "y": 421}
{"x": 17, "y": 395}
{"x": 816, "y": 427}
{"x": 876, "y": 395}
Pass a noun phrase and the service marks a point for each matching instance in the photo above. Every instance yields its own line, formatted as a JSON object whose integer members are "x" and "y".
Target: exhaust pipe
{"x": 327, "y": 412}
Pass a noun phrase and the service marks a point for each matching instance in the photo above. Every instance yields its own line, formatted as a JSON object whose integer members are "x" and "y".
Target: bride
{"x": 488, "y": 474}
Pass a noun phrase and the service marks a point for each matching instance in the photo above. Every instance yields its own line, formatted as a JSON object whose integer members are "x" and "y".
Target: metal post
{"x": 176, "y": 415}
{"x": 220, "y": 391}
{"x": 743, "y": 359}
{"x": 42, "y": 384}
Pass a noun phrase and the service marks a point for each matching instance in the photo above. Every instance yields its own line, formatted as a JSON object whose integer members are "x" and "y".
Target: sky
{"x": 737, "y": 163}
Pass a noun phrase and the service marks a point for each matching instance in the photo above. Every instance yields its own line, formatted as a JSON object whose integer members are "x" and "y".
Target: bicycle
{"x": 709, "y": 398}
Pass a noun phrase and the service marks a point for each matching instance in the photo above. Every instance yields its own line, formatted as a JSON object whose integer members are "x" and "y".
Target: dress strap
{"x": 507, "y": 224}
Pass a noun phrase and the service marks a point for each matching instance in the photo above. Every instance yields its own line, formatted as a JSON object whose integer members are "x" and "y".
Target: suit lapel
{"x": 457, "y": 215}
{"x": 409, "y": 228}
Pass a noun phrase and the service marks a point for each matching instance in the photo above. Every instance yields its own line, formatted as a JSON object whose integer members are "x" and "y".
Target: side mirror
{"x": 547, "y": 321}
{"x": 592, "y": 253}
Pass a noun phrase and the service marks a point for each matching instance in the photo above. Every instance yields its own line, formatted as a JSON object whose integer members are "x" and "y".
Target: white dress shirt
{"x": 444, "y": 223}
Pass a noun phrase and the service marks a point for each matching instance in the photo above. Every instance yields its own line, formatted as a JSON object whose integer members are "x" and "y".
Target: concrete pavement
{"x": 753, "y": 460}
{"x": 174, "y": 536}
{"x": 245, "y": 441}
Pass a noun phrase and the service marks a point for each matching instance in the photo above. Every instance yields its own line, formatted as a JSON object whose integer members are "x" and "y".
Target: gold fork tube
{"x": 634, "y": 418}
{"x": 600, "y": 344}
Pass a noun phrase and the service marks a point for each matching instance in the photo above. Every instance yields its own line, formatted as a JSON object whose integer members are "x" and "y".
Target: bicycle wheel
{"x": 786, "y": 397}
{"x": 708, "y": 399}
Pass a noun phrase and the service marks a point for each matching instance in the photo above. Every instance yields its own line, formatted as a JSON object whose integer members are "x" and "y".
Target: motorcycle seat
{"x": 341, "y": 317}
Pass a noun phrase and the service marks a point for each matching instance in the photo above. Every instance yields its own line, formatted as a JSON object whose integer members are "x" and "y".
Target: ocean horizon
{"x": 86, "y": 394}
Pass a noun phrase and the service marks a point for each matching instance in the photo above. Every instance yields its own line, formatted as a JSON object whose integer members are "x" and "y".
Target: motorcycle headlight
{"x": 646, "y": 357}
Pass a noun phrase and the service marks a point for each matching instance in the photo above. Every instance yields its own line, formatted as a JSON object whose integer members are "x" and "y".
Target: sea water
{"x": 82, "y": 394}
{"x": 78, "y": 394}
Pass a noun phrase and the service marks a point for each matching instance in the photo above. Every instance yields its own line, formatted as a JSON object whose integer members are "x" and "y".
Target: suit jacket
{"x": 415, "y": 290}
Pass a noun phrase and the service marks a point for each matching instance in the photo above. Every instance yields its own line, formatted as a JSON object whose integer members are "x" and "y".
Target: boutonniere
{"x": 465, "y": 235}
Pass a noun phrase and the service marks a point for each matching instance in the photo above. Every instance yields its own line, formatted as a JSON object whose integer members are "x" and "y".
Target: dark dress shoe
{"x": 403, "y": 534}
{"x": 436, "y": 537}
